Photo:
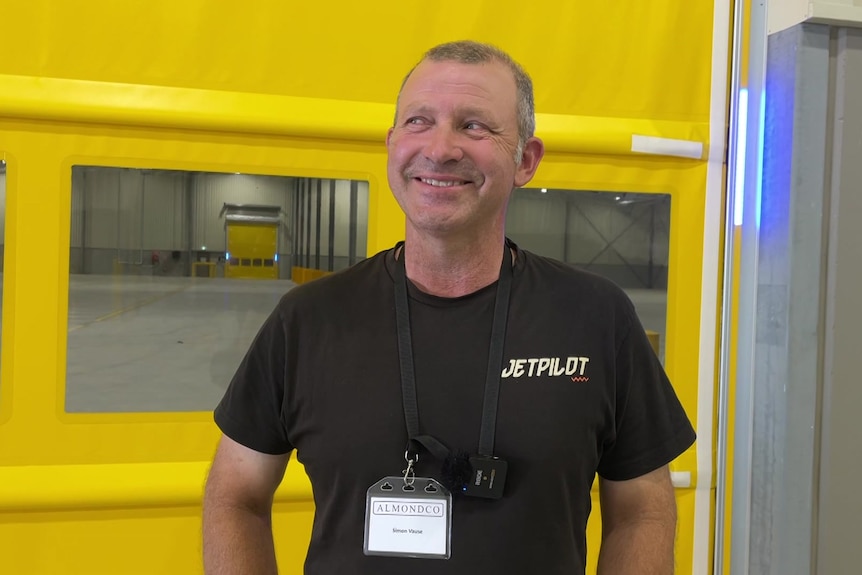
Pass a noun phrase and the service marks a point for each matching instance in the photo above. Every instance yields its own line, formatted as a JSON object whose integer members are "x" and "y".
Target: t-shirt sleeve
{"x": 250, "y": 412}
{"x": 651, "y": 427}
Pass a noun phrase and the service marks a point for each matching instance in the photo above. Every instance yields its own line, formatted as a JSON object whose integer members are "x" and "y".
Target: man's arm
{"x": 638, "y": 525}
{"x": 237, "y": 511}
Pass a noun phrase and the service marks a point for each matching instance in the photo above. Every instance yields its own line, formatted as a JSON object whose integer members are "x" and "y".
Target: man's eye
{"x": 475, "y": 126}
{"x": 415, "y": 121}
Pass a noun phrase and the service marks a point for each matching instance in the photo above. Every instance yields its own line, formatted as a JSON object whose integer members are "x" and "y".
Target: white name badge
{"x": 408, "y": 520}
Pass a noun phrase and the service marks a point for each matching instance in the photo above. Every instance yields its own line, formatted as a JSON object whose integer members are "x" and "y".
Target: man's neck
{"x": 451, "y": 268}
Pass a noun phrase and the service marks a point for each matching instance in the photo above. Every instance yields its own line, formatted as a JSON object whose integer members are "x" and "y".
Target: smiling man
{"x": 454, "y": 397}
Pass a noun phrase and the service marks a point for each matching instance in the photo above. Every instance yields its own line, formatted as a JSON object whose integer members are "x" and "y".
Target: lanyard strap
{"x": 495, "y": 363}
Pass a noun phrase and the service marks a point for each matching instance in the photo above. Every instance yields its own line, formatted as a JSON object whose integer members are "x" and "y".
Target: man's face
{"x": 451, "y": 162}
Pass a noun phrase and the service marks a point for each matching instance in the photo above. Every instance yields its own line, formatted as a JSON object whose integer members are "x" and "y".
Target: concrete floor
{"x": 160, "y": 344}
{"x": 172, "y": 344}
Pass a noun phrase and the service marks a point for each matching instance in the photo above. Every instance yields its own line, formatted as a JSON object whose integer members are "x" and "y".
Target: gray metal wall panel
{"x": 342, "y": 218}
{"x": 840, "y": 499}
{"x": 164, "y": 210}
{"x": 362, "y": 220}
{"x": 354, "y": 202}
{"x": 77, "y": 224}
{"x": 578, "y": 228}
{"x": 334, "y": 221}
{"x": 151, "y": 207}
{"x": 308, "y": 201}
{"x": 285, "y": 240}
{"x": 593, "y": 224}
{"x": 102, "y": 207}
{"x": 212, "y": 191}
{"x": 786, "y": 354}
{"x": 537, "y": 223}
{"x": 134, "y": 212}
{"x": 318, "y": 209}
{"x": 130, "y": 214}
{"x": 626, "y": 241}
{"x": 329, "y": 222}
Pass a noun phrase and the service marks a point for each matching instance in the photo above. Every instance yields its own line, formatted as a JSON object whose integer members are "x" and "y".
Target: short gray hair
{"x": 470, "y": 52}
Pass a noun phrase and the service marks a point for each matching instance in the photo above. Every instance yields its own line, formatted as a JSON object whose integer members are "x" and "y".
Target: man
{"x": 578, "y": 389}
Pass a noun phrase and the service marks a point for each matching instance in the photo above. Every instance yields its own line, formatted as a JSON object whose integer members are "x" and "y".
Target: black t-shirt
{"x": 581, "y": 393}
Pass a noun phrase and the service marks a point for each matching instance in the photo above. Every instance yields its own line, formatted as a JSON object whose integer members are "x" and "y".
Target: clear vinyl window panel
{"x": 173, "y": 273}
{"x": 2, "y": 225}
{"x": 624, "y": 237}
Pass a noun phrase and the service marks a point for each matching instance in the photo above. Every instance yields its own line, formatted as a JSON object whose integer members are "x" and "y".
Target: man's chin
{"x": 441, "y": 227}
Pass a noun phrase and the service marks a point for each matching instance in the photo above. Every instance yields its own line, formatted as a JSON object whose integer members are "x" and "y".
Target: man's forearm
{"x": 237, "y": 541}
{"x": 645, "y": 547}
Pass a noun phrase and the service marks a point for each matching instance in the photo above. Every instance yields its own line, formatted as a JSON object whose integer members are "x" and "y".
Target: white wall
{"x": 783, "y": 14}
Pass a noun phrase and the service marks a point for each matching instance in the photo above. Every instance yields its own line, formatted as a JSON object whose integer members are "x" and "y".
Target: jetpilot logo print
{"x": 573, "y": 367}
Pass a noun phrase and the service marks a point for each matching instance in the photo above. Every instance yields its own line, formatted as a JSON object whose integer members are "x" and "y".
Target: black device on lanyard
{"x": 483, "y": 474}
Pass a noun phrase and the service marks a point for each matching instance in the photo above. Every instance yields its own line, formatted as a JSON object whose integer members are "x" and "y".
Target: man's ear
{"x": 534, "y": 150}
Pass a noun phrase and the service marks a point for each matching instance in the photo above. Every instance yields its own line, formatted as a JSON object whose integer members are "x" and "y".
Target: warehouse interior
{"x": 158, "y": 320}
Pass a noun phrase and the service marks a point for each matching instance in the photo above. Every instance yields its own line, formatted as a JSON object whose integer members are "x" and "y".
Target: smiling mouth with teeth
{"x": 442, "y": 183}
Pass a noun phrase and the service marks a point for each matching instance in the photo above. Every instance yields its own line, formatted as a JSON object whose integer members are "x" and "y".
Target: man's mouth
{"x": 442, "y": 183}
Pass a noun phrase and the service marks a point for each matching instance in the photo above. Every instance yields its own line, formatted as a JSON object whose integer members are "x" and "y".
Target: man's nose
{"x": 443, "y": 146}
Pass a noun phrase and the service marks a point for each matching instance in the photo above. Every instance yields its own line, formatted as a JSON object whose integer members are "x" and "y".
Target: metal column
{"x": 354, "y": 192}
{"x": 317, "y": 224}
{"x": 331, "y": 225}
{"x": 307, "y": 223}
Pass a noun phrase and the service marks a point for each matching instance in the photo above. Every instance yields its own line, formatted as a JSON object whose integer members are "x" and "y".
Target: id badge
{"x": 408, "y": 518}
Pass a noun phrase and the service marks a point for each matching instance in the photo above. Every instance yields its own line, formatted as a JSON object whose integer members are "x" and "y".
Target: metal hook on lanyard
{"x": 410, "y": 473}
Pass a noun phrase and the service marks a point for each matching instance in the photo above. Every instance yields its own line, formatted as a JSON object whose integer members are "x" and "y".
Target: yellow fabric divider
{"x": 49, "y": 488}
{"x": 626, "y": 60}
{"x": 190, "y": 109}
{"x": 158, "y": 540}
{"x": 41, "y": 436}
{"x": 296, "y": 89}
{"x": 181, "y": 108}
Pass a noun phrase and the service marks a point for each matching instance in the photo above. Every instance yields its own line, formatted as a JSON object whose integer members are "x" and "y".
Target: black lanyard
{"x": 495, "y": 364}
